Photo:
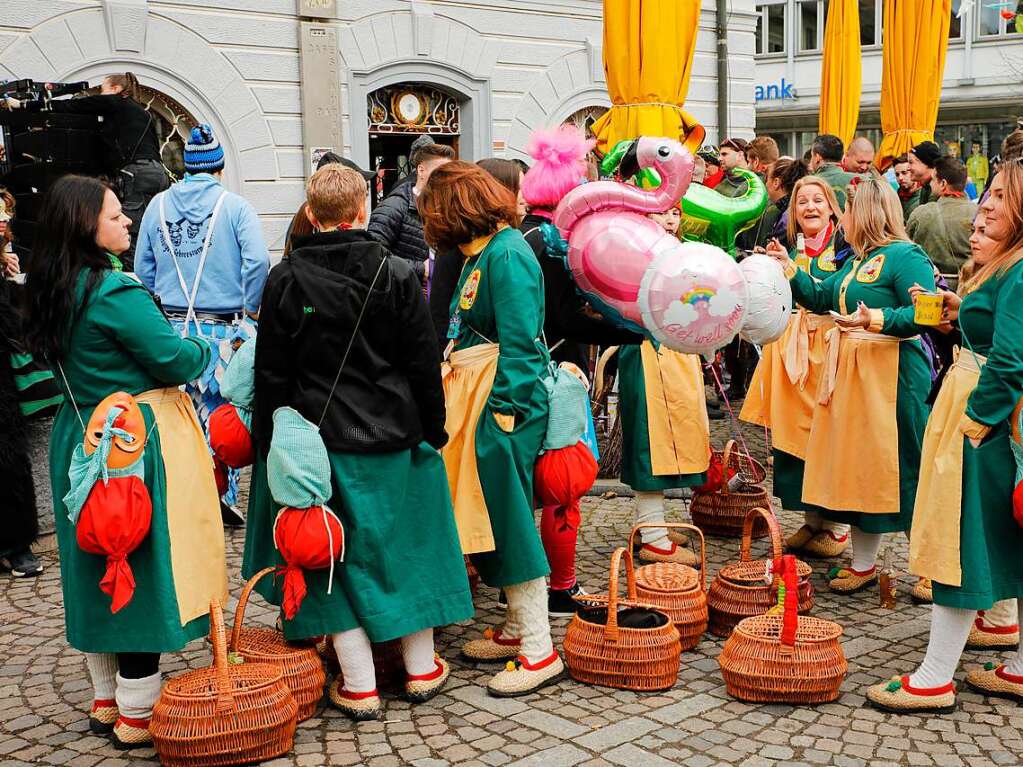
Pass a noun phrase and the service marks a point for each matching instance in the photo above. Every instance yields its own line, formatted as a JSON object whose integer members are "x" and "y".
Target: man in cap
{"x": 922, "y": 159}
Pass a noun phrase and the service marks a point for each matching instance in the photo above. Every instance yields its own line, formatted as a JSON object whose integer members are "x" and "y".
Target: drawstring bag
{"x": 308, "y": 539}
{"x": 560, "y": 480}
{"x": 109, "y": 503}
{"x": 230, "y": 425}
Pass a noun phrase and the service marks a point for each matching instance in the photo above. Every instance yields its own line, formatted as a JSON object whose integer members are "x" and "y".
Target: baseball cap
{"x": 738, "y": 144}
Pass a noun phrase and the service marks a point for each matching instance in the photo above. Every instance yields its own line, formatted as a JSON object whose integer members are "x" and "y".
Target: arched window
{"x": 173, "y": 124}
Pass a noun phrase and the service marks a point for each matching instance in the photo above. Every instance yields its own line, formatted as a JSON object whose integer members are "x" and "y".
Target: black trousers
{"x": 138, "y": 665}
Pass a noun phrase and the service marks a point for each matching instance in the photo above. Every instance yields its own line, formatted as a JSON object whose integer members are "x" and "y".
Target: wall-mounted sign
{"x": 779, "y": 91}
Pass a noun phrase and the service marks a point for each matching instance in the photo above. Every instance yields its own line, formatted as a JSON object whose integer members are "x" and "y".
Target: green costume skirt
{"x": 403, "y": 569}
{"x": 150, "y": 622}
{"x": 637, "y": 469}
{"x": 788, "y": 480}
{"x": 991, "y": 543}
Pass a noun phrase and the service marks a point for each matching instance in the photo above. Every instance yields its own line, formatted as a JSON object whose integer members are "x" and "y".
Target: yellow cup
{"x": 927, "y": 309}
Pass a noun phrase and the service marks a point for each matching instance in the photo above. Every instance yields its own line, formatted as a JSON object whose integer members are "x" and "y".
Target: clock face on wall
{"x": 409, "y": 108}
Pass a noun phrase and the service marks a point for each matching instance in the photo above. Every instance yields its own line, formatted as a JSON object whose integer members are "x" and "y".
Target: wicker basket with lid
{"x": 678, "y": 590}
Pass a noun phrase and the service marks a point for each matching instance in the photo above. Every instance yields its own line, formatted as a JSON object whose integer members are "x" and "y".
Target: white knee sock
{"x": 865, "y": 547}
{"x": 136, "y": 697}
{"x": 527, "y": 602}
{"x": 355, "y": 655}
{"x": 1004, "y": 613}
{"x": 950, "y": 628}
{"x": 650, "y": 509}
{"x": 417, "y": 650}
{"x": 103, "y": 672}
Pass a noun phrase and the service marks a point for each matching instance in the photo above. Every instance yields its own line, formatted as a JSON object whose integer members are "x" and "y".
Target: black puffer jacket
{"x": 396, "y": 225}
{"x": 389, "y": 396}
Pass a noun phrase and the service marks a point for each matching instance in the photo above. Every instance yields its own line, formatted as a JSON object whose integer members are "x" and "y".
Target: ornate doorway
{"x": 173, "y": 123}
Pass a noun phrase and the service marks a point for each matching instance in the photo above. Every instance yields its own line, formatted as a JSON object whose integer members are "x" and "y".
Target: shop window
{"x": 771, "y": 28}
{"x": 1000, "y": 19}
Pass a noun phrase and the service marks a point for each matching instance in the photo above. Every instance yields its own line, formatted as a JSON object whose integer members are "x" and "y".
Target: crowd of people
{"x": 406, "y": 356}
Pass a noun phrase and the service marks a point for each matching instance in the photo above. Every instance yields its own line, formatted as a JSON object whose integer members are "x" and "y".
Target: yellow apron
{"x": 194, "y": 524}
{"x": 676, "y": 411}
{"x": 783, "y": 391}
{"x": 937, "y": 514}
{"x": 468, "y": 377}
{"x": 853, "y": 450}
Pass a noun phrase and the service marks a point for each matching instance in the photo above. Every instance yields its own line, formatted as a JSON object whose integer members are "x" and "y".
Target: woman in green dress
{"x": 967, "y": 532}
{"x": 496, "y": 412}
{"x": 863, "y": 455}
{"x": 102, "y": 332}
{"x": 345, "y": 339}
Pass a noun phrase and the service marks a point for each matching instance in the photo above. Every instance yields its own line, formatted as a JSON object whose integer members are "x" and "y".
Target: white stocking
{"x": 417, "y": 649}
{"x": 817, "y": 523}
{"x": 355, "y": 654}
{"x": 1004, "y": 614}
{"x": 650, "y": 509}
{"x": 136, "y": 697}
{"x": 865, "y": 547}
{"x": 950, "y": 628}
{"x": 527, "y": 602}
{"x": 103, "y": 672}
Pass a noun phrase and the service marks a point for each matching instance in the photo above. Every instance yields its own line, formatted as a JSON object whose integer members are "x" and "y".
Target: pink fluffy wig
{"x": 560, "y": 164}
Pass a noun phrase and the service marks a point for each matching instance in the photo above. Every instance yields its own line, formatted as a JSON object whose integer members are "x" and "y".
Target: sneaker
{"x": 561, "y": 602}
{"x": 502, "y": 600}
{"x": 23, "y": 564}
{"x": 897, "y": 697}
{"x": 714, "y": 413}
{"x": 231, "y": 515}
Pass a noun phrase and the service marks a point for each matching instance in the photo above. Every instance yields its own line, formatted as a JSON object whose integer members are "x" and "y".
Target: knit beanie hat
{"x": 927, "y": 152}
{"x": 203, "y": 153}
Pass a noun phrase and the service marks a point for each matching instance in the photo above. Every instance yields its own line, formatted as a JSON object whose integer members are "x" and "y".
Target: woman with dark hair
{"x": 102, "y": 332}
{"x": 496, "y": 412}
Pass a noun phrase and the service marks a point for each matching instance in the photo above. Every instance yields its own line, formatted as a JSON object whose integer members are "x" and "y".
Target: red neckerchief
{"x": 714, "y": 179}
{"x": 953, "y": 193}
{"x": 813, "y": 252}
{"x": 342, "y": 227}
{"x": 905, "y": 194}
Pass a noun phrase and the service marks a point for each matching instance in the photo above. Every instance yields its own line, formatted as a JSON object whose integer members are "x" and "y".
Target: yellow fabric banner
{"x": 841, "y": 73}
{"x": 648, "y": 58}
{"x": 915, "y": 42}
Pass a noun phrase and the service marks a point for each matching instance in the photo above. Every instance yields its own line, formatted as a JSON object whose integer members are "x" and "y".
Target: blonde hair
{"x": 335, "y": 194}
{"x": 792, "y": 228}
{"x": 1010, "y": 252}
{"x": 875, "y": 215}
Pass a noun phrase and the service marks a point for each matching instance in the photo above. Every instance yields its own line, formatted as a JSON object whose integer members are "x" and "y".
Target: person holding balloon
{"x": 863, "y": 452}
{"x": 783, "y": 392}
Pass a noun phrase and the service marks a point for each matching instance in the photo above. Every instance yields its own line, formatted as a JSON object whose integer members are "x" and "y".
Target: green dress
{"x": 121, "y": 342}
{"x": 508, "y": 309}
{"x": 788, "y": 469}
{"x": 637, "y": 468}
{"x": 991, "y": 541}
{"x": 884, "y": 283}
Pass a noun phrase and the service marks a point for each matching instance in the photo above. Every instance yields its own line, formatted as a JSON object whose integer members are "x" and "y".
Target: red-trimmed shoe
{"x": 131, "y": 733}
{"x": 845, "y": 580}
{"x": 521, "y": 677}
{"x": 650, "y": 553}
{"x": 896, "y": 696}
{"x": 825, "y": 545}
{"x": 419, "y": 688}
{"x": 103, "y": 716}
{"x": 357, "y": 706}
{"x": 984, "y": 636}
{"x": 994, "y": 680}
{"x": 492, "y": 648}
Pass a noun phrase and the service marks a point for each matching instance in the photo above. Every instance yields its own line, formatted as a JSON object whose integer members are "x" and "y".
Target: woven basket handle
{"x": 679, "y": 526}
{"x": 726, "y": 459}
{"x": 747, "y": 533}
{"x": 243, "y": 601}
{"x": 218, "y": 635}
{"x": 611, "y": 629}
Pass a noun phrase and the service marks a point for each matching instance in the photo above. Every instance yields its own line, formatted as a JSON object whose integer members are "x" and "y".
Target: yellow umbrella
{"x": 915, "y": 42}
{"x": 648, "y": 58}
{"x": 842, "y": 73}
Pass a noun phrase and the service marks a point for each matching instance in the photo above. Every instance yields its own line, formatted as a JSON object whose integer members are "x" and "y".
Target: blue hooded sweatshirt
{"x": 236, "y": 265}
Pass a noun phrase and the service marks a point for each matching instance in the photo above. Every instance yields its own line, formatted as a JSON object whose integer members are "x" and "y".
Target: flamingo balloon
{"x": 692, "y": 297}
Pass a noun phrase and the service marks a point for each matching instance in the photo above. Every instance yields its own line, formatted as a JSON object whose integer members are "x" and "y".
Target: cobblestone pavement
{"x": 44, "y": 693}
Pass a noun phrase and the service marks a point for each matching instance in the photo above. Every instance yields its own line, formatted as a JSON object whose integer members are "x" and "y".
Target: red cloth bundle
{"x": 717, "y": 475}
{"x": 308, "y": 539}
{"x": 561, "y": 477}
{"x": 114, "y": 521}
{"x": 230, "y": 439}
{"x": 785, "y": 569}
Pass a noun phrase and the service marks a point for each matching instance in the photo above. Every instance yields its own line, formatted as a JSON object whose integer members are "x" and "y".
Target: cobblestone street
{"x": 44, "y": 693}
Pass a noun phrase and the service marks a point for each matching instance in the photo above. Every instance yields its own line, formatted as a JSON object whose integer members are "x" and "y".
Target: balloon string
{"x": 736, "y": 431}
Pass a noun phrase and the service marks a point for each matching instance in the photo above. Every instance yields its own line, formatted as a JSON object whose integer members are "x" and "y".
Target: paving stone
{"x": 634, "y": 756}
{"x": 565, "y": 755}
{"x": 616, "y": 734}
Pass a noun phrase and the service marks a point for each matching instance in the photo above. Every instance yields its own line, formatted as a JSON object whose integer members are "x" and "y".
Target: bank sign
{"x": 782, "y": 90}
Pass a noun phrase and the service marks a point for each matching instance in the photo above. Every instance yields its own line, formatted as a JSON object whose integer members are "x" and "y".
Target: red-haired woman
{"x": 496, "y": 412}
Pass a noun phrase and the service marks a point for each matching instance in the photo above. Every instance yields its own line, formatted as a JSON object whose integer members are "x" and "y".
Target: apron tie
{"x": 796, "y": 355}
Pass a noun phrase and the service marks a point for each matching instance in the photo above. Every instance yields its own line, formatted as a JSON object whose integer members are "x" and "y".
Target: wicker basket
{"x": 301, "y": 665}
{"x": 759, "y": 668}
{"x": 600, "y": 651}
{"x": 225, "y": 714}
{"x": 740, "y": 591}
{"x": 679, "y": 591}
{"x": 722, "y": 513}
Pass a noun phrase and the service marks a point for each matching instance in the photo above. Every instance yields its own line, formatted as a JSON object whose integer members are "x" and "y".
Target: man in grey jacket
{"x": 943, "y": 227}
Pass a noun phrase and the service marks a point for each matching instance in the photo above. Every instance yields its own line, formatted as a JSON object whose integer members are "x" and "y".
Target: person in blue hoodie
{"x": 201, "y": 251}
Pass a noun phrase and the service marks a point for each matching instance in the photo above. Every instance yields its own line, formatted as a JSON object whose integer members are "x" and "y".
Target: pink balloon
{"x": 693, "y": 298}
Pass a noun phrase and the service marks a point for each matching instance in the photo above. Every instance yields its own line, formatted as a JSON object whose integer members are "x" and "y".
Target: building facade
{"x": 281, "y": 81}
{"x": 981, "y": 92}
